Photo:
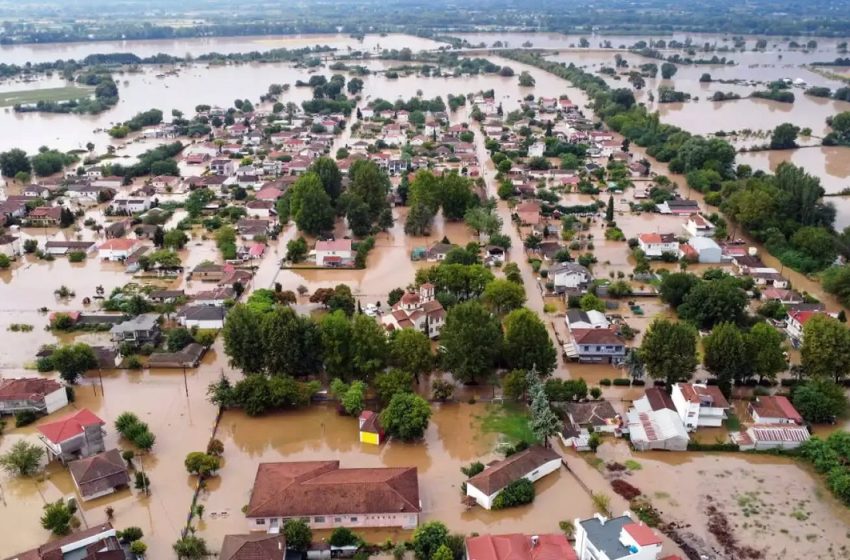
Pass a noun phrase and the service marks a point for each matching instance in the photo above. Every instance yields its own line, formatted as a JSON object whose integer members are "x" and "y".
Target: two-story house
{"x": 598, "y": 346}
{"x": 699, "y": 405}
{"x": 141, "y": 329}
{"x": 655, "y": 245}
{"x": 698, "y": 226}
{"x": 618, "y": 538}
{"x": 73, "y": 437}
{"x": 569, "y": 277}
{"x": 334, "y": 253}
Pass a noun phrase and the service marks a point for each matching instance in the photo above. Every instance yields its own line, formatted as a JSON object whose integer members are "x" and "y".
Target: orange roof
{"x": 519, "y": 547}
{"x": 642, "y": 534}
{"x": 701, "y": 393}
{"x": 69, "y": 426}
{"x": 119, "y": 244}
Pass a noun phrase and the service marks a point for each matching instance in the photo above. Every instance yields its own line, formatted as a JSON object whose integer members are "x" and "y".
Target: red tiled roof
{"x": 519, "y": 547}
{"x": 495, "y": 477}
{"x": 302, "y": 488}
{"x": 118, "y": 244}
{"x": 596, "y": 336}
{"x": 27, "y": 388}
{"x": 642, "y": 534}
{"x": 776, "y": 406}
{"x": 253, "y": 547}
{"x": 69, "y": 426}
{"x": 708, "y": 392}
{"x": 335, "y": 245}
{"x": 659, "y": 399}
{"x": 802, "y": 316}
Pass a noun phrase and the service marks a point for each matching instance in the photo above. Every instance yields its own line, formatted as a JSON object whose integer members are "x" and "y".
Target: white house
{"x": 334, "y": 253}
{"x": 202, "y": 317}
{"x": 569, "y": 277}
{"x": 703, "y": 250}
{"x": 10, "y": 245}
{"x": 222, "y": 166}
{"x": 774, "y": 409}
{"x": 795, "y": 322}
{"x": 130, "y": 205}
{"x": 655, "y": 424}
{"x": 654, "y": 245}
{"x": 33, "y": 394}
{"x": 533, "y": 464}
{"x": 117, "y": 249}
{"x": 419, "y": 311}
{"x": 578, "y": 319}
{"x": 536, "y": 150}
{"x": 697, "y": 226}
{"x": 771, "y": 436}
{"x": 619, "y": 538}
{"x": 699, "y": 405}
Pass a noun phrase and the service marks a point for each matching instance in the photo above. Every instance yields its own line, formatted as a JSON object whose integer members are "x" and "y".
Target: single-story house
{"x": 653, "y": 423}
{"x": 117, "y": 249}
{"x": 188, "y": 357}
{"x": 370, "y": 428}
{"x": 519, "y": 547}
{"x": 32, "y": 394}
{"x": 681, "y": 207}
{"x": 698, "y": 226}
{"x": 702, "y": 250}
{"x": 99, "y": 474}
{"x": 533, "y": 464}
{"x": 65, "y": 247}
{"x": 774, "y": 409}
{"x": 334, "y": 253}
{"x": 10, "y": 245}
{"x": 771, "y": 436}
{"x": 326, "y": 496}
{"x": 96, "y": 543}
{"x": 253, "y": 546}
{"x": 578, "y": 319}
{"x": 202, "y": 317}
{"x": 438, "y": 251}
{"x": 569, "y": 277}
{"x": 208, "y": 272}
{"x": 654, "y": 245}
{"x": 699, "y": 405}
{"x": 140, "y": 329}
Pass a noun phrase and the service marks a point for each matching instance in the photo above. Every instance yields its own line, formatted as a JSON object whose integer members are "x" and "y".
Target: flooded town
{"x": 468, "y": 291}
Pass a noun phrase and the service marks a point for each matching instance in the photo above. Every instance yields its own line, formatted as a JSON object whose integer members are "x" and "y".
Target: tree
{"x": 336, "y": 340}
{"x": 410, "y": 351}
{"x": 820, "y": 401}
{"x": 57, "y": 518}
{"x": 591, "y": 302}
{"x": 174, "y": 239}
{"x": 298, "y": 534}
{"x": 503, "y": 296}
{"x": 201, "y": 464}
{"x": 443, "y": 553}
{"x": 527, "y": 343}
{"x": 418, "y": 220}
{"x": 370, "y": 184}
{"x": 472, "y": 339}
{"x": 342, "y": 299}
{"x": 826, "y": 348}
{"x": 609, "y": 211}
{"x": 14, "y": 161}
{"x": 296, "y": 250}
{"x": 369, "y": 346}
{"x": 389, "y": 383}
{"x": 784, "y": 137}
{"x": 330, "y": 176}
{"x": 72, "y": 360}
{"x": 712, "y": 302}
{"x": 191, "y": 547}
{"x": 675, "y": 286}
{"x": 668, "y": 70}
{"x": 5, "y": 261}
{"x": 310, "y": 205}
{"x": 406, "y": 417}
{"x": 22, "y": 459}
{"x": 243, "y": 339}
{"x": 177, "y": 339}
{"x": 764, "y": 351}
{"x": 291, "y": 343}
{"x": 482, "y": 220}
{"x": 668, "y": 351}
{"x": 726, "y": 355}
{"x": 343, "y": 536}
{"x": 428, "y": 538}
{"x": 544, "y": 422}
{"x": 526, "y": 79}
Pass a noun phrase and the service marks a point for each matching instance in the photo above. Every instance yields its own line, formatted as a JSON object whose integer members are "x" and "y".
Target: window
{"x": 354, "y": 520}
{"x": 337, "y": 519}
{"x": 319, "y": 519}
{"x": 261, "y": 521}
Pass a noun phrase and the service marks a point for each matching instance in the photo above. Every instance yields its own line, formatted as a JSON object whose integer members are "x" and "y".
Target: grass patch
{"x": 510, "y": 421}
{"x": 733, "y": 424}
{"x": 9, "y": 98}
{"x": 633, "y": 465}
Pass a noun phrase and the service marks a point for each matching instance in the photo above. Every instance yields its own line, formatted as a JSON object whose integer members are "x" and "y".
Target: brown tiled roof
{"x": 594, "y": 412}
{"x": 52, "y": 550}
{"x": 254, "y": 546}
{"x": 704, "y": 393}
{"x": 659, "y": 399}
{"x": 100, "y": 472}
{"x": 27, "y": 388}
{"x": 293, "y": 489}
{"x": 371, "y": 422}
{"x": 596, "y": 336}
{"x": 494, "y": 478}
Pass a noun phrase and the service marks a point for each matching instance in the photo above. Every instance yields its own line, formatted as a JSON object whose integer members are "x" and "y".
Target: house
{"x": 794, "y": 323}
{"x": 117, "y": 249}
{"x": 578, "y": 319}
{"x": 774, "y": 410}
{"x": 249, "y": 228}
{"x": 698, "y": 226}
{"x": 260, "y": 208}
{"x": 188, "y": 357}
{"x": 129, "y": 205}
{"x": 528, "y": 213}
{"x": 10, "y": 245}
{"x": 208, "y": 272}
{"x": 370, "y": 428}
{"x": 619, "y": 538}
{"x": 680, "y": 207}
{"x": 536, "y": 150}
{"x": 334, "y": 253}
{"x": 569, "y": 277}
{"x": 112, "y": 182}
{"x": 702, "y": 249}
{"x": 253, "y": 547}
{"x": 533, "y": 464}
{"x": 654, "y": 245}
{"x": 598, "y": 346}
{"x": 75, "y": 436}
{"x": 438, "y": 251}
{"x": 326, "y": 496}
{"x": 222, "y": 166}
{"x": 783, "y": 296}
{"x": 39, "y": 191}
{"x": 138, "y": 330}
{"x": 770, "y": 436}
{"x": 202, "y": 317}
{"x": 45, "y": 216}
{"x": 99, "y": 474}
{"x": 33, "y": 394}
{"x": 65, "y": 247}
{"x": 653, "y": 423}
{"x": 582, "y": 418}
{"x": 217, "y": 296}
{"x": 95, "y": 543}
{"x": 699, "y": 405}
{"x": 419, "y": 311}
{"x": 166, "y": 296}
{"x": 519, "y": 547}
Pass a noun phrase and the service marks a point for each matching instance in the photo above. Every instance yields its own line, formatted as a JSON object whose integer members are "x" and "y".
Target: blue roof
{"x": 605, "y": 537}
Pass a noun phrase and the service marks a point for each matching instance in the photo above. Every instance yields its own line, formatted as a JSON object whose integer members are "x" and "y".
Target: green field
{"x": 9, "y": 98}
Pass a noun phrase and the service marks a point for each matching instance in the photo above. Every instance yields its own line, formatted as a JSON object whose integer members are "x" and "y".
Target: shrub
{"x": 517, "y": 493}
{"x": 25, "y": 418}
{"x": 620, "y": 382}
{"x": 595, "y": 393}
{"x": 605, "y": 382}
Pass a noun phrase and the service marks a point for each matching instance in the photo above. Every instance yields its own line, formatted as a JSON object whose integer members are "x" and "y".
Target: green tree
{"x": 389, "y": 383}
{"x": 527, "y": 343}
{"x": 428, "y": 538}
{"x": 310, "y": 205}
{"x": 609, "y": 211}
{"x": 472, "y": 339}
{"x": 419, "y": 219}
{"x": 482, "y": 220}
{"x": 330, "y": 176}
{"x": 784, "y": 137}
{"x": 820, "y": 401}
{"x": 353, "y": 399}
{"x": 298, "y": 534}
{"x": 591, "y": 302}
{"x": 73, "y": 360}
{"x": 668, "y": 351}
{"x": 22, "y": 459}
{"x": 668, "y": 70}
{"x": 57, "y": 518}
{"x": 296, "y": 250}
{"x": 243, "y": 341}
{"x": 175, "y": 239}
{"x": 443, "y": 553}
{"x": 177, "y": 339}
{"x": 765, "y": 353}
{"x": 675, "y": 286}
{"x": 201, "y": 464}
{"x": 14, "y": 161}
{"x": 343, "y": 536}
{"x": 544, "y": 422}
{"x": 726, "y": 355}
{"x": 503, "y": 296}
{"x": 410, "y": 351}
{"x": 291, "y": 343}
{"x": 5, "y": 261}
{"x": 712, "y": 302}
{"x": 336, "y": 340}
{"x": 369, "y": 346}
{"x": 526, "y": 79}
{"x": 826, "y": 348}
{"x": 406, "y": 417}
{"x": 370, "y": 184}
{"x": 191, "y": 547}
{"x": 342, "y": 299}
{"x": 836, "y": 280}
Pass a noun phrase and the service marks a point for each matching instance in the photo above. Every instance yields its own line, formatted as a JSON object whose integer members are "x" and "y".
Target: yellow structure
{"x": 370, "y": 428}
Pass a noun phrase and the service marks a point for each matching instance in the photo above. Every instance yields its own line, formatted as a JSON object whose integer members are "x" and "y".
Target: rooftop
{"x": 27, "y": 388}
{"x": 500, "y": 474}
{"x": 70, "y": 426}
{"x": 519, "y": 547}
{"x": 254, "y": 546}
{"x": 776, "y": 406}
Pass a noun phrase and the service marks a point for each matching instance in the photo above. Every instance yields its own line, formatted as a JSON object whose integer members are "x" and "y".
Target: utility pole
{"x": 185, "y": 382}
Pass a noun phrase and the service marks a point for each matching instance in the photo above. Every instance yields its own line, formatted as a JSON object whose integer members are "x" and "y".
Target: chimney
{"x": 535, "y": 540}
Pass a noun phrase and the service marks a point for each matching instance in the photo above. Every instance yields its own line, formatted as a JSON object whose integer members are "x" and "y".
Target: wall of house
{"x": 370, "y": 437}
{"x": 402, "y": 520}
{"x": 56, "y": 400}
{"x": 480, "y": 497}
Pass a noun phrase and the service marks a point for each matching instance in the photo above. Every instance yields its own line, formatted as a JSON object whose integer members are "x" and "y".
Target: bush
{"x": 342, "y": 536}
{"x": 517, "y": 493}
{"x": 25, "y": 418}
{"x": 605, "y": 382}
{"x": 697, "y": 446}
{"x": 619, "y": 382}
